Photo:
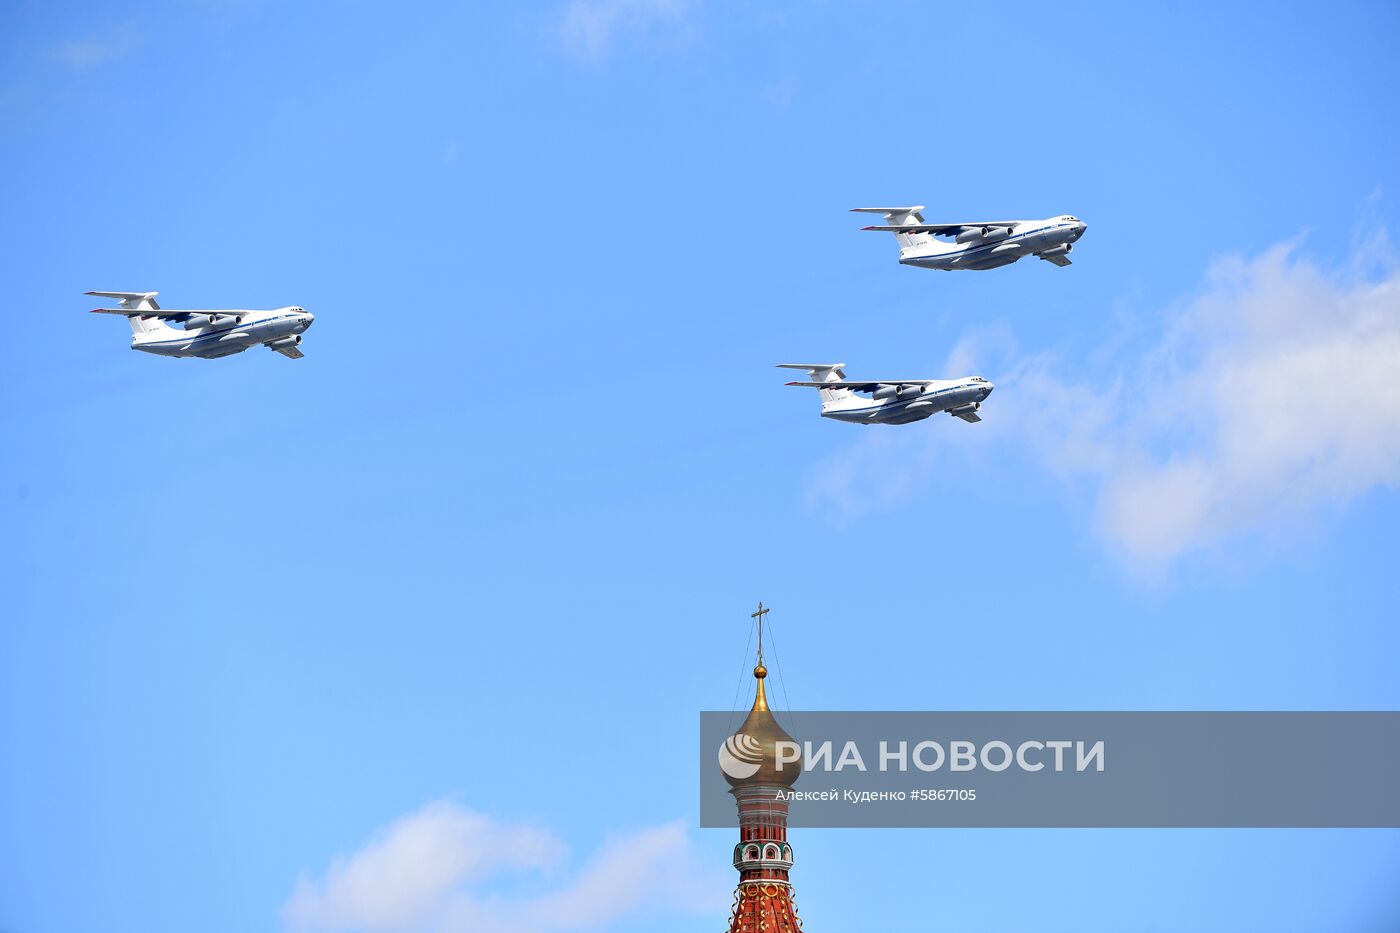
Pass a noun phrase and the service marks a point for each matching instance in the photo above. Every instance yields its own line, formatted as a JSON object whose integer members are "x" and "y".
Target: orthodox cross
{"x": 759, "y": 616}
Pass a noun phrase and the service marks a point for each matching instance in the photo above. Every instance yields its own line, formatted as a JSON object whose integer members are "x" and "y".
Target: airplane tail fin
{"x": 129, "y": 302}
{"x": 897, "y": 216}
{"x": 824, "y": 372}
{"x": 140, "y": 324}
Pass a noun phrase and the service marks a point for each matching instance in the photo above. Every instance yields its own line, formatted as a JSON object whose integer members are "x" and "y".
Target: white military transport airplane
{"x": 207, "y": 334}
{"x": 892, "y": 401}
{"x": 982, "y": 244}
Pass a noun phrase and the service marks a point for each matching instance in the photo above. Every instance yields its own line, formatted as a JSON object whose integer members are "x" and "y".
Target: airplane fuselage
{"x": 230, "y": 332}
{"x": 946, "y": 396}
{"x": 1002, "y": 247}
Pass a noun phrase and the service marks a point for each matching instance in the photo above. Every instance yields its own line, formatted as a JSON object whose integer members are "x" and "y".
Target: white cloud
{"x": 780, "y": 94}
{"x": 1275, "y": 393}
{"x": 429, "y": 872}
{"x": 83, "y": 55}
{"x": 591, "y": 28}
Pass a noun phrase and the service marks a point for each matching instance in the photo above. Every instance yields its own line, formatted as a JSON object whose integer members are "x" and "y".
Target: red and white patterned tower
{"x": 763, "y": 901}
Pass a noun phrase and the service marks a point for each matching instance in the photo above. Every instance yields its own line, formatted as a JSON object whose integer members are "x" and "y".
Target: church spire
{"x": 763, "y": 901}
{"x": 759, "y": 616}
{"x": 760, "y": 699}
{"x": 760, "y": 733}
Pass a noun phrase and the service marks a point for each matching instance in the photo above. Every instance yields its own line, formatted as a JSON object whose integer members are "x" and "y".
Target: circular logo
{"x": 740, "y": 756}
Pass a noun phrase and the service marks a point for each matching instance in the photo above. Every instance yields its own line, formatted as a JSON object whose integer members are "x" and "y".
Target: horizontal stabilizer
{"x": 825, "y": 372}
{"x": 887, "y": 210}
{"x": 131, "y": 300}
{"x": 895, "y": 215}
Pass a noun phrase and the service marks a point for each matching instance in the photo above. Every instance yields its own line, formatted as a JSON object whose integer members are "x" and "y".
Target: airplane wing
{"x": 969, "y": 416}
{"x": 170, "y": 314}
{"x": 941, "y": 229}
{"x": 864, "y": 386}
{"x": 1059, "y": 260}
{"x": 142, "y": 312}
{"x": 290, "y": 352}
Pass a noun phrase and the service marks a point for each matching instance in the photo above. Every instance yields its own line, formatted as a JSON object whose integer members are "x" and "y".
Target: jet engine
{"x": 285, "y": 342}
{"x": 970, "y": 234}
{"x": 1056, "y": 251}
{"x": 964, "y": 409}
{"x": 204, "y": 320}
{"x": 897, "y": 392}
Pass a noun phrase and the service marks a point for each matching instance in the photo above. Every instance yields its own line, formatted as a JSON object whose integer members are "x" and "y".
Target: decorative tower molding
{"x": 763, "y": 901}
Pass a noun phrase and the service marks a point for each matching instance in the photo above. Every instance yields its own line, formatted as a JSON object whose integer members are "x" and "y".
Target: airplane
{"x": 892, "y": 401}
{"x": 207, "y": 334}
{"x": 982, "y": 244}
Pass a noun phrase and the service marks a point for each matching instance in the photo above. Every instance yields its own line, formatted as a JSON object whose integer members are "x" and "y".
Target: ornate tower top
{"x": 763, "y": 901}
{"x": 757, "y": 739}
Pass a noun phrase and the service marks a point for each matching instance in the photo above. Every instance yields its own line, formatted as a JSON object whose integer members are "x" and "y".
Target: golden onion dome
{"x": 751, "y": 752}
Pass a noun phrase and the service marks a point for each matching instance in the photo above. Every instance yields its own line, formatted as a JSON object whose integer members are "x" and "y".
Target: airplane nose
{"x": 987, "y": 389}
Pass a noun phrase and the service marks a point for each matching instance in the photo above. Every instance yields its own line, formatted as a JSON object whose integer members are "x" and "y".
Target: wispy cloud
{"x": 84, "y": 55}
{"x": 430, "y": 872}
{"x": 592, "y": 29}
{"x": 780, "y": 94}
{"x": 1272, "y": 394}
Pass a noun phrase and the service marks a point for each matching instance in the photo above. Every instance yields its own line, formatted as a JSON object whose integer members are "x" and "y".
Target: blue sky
{"x": 455, "y": 585}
